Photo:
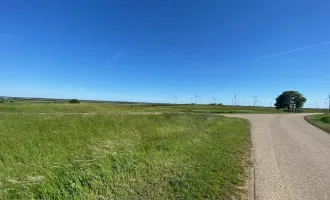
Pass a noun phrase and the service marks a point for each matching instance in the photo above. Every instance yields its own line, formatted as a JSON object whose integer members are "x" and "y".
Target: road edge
{"x": 250, "y": 182}
{"x": 315, "y": 124}
{"x": 249, "y": 163}
{"x": 249, "y": 185}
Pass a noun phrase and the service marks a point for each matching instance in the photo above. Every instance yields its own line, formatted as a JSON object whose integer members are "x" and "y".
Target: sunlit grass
{"x": 168, "y": 156}
{"x": 51, "y": 107}
{"x": 321, "y": 121}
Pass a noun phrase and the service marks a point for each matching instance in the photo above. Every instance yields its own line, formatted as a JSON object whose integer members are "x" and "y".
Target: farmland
{"x": 57, "y": 151}
{"x": 52, "y": 107}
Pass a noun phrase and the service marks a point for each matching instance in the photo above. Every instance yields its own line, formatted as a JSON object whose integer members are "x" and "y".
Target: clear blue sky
{"x": 152, "y": 50}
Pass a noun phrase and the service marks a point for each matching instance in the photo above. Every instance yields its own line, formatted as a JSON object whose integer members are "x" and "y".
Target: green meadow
{"x": 48, "y": 153}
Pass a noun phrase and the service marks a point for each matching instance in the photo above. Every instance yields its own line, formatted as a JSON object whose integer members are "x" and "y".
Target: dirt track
{"x": 291, "y": 157}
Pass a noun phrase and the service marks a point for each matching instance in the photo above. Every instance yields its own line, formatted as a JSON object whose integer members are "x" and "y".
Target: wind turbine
{"x": 175, "y": 97}
{"x": 235, "y": 98}
{"x": 214, "y": 100}
{"x": 329, "y": 100}
{"x": 196, "y": 97}
{"x": 255, "y": 100}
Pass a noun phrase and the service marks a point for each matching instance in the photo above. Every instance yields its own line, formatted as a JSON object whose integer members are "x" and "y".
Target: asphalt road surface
{"x": 291, "y": 157}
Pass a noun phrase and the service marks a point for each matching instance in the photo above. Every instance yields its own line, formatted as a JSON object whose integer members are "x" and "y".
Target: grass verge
{"x": 168, "y": 156}
{"x": 320, "y": 121}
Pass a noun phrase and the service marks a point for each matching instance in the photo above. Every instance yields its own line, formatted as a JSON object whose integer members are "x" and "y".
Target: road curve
{"x": 291, "y": 157}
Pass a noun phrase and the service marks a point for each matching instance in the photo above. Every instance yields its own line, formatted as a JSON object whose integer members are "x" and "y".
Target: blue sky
{"x": 152, "y": 50}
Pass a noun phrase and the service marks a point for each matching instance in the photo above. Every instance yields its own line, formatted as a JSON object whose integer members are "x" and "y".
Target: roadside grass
{"x": 97, "y": 156}
{"x": 320, "y": 121}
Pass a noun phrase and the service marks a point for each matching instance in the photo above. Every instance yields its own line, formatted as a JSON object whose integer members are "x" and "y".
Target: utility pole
{"x": 329, "y": 100}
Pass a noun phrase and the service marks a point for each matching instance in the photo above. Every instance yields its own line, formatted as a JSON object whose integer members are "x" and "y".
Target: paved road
{"x": 291, "y": 157}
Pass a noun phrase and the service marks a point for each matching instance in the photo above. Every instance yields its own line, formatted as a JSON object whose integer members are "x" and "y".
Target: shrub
{"x": 326, "y": 119}
{"x": 2, "y": 101}
{"x": 74, "y": 101}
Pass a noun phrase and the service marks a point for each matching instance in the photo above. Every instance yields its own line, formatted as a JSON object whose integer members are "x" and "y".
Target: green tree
{"x": 74, "y": 101}
{"x": 288, "y": 99}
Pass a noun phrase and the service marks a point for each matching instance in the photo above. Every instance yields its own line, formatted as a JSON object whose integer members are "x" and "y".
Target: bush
{"x": 74, "y": 101}
{"x": 326, "y": 119}
{"x": 2, "y": 101}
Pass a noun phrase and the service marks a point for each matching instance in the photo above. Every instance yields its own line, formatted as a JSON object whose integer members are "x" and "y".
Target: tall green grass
{"x": 168, "y": 156}
{"x": 321, "y": 121}
{"x": 69, "y": 108}
{"x": 326, "y": 119}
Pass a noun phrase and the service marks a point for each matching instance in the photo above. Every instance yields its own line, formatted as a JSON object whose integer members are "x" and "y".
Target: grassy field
{"x": 99, "y": 156}
{"x": 70, "y": 108}
{"x": 32, "y": 107}
{"x": 321, "y": 121}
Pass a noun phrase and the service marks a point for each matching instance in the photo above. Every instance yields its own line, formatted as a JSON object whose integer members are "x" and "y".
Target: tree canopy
{"x": 74, "y": 101}
{"x": 290, "y": 99}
